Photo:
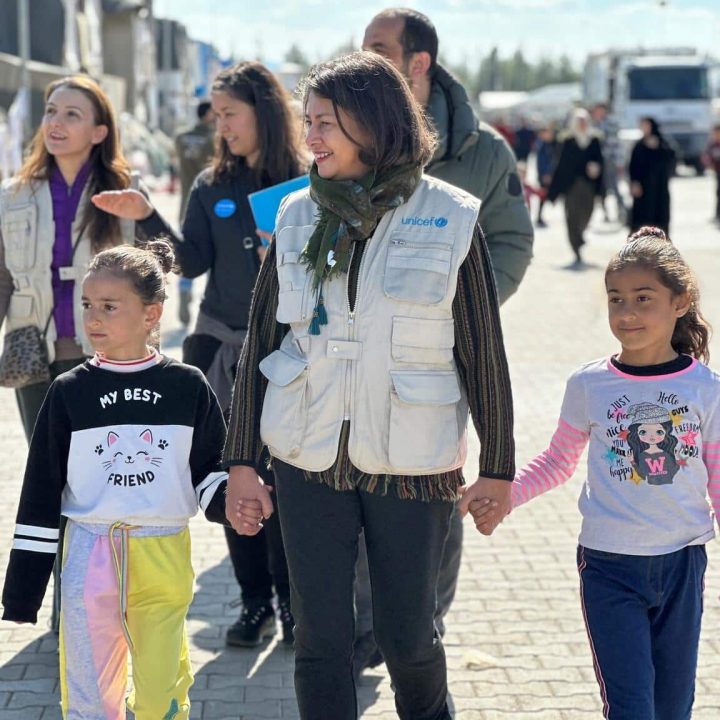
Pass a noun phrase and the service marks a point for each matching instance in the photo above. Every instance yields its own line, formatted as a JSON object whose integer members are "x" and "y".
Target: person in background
{"x": 194, "y": 149}
{"x": 529, "y": 191}
{"x": 525, "y": 138}
{"x": 652, "y": 164}
{"x": 578, "y": 178}
{"x": 711, "y": 159}
{"x": 370, "y": 336}
{"x": 474, "y": 157}
{"x": 545, "y": 152}
{"x": 258, "y": 147}
{"x": 611, "y": 152}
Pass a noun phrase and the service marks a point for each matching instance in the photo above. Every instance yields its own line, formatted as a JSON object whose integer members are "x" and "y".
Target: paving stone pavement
{"x": 516, "y": 645}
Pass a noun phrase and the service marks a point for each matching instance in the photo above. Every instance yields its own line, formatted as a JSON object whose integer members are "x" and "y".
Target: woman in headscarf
{"x": 578, "y": 177}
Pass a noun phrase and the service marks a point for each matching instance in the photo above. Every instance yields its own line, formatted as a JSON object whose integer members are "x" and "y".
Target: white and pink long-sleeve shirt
{"x": 653, "y": 460}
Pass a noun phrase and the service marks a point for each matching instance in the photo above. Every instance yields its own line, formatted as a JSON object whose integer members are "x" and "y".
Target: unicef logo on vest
{"x": 225, "y": 208}
{"x": 438, "y": 222}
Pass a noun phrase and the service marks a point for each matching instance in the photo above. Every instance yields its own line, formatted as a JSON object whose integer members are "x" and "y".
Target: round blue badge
{"x": 225, "y": 207}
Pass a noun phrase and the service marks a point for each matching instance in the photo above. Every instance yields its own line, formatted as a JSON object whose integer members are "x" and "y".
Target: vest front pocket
{"x": 423, "y": 421}
{"x": 19, "y": 231}
{"x": 284, "y": 413}
{"x": 21, "y": 306}
{"x": 423, "y": 341}
{"x": 417, "y": 271}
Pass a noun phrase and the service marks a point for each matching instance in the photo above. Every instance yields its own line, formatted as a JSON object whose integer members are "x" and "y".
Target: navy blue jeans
{"x": 642, "y": 615}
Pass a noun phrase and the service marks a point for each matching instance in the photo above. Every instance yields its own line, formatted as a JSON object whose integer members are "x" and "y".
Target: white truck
{"x": 677, "y": 87}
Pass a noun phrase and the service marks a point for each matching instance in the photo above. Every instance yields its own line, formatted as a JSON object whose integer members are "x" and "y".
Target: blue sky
{"x": 467, "y": 28}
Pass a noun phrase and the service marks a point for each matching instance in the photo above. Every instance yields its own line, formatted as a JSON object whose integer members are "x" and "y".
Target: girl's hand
{"x": 247, "y": 502}
{"x": 484, "y": 513}
{"x": 498, "y": 492}
{"x": 128, "y": 204}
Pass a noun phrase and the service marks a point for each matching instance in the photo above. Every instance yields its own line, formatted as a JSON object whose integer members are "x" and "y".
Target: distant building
{"x": 129, "y": 51}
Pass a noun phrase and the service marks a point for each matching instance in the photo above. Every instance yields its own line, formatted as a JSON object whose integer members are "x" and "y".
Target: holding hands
{"x": 488, "y": 500}
{"x": 248, "y": 500}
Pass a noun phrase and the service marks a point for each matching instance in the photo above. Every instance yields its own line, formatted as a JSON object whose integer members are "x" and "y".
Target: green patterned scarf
{"x": 349, "y": 210}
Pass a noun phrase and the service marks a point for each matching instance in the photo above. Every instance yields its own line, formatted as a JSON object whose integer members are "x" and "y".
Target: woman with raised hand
{"x": 256, "y": 147}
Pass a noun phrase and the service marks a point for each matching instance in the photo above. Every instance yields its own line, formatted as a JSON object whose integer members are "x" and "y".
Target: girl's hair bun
{"x": 648, "y": 231}
{"x": 162, "y": 250}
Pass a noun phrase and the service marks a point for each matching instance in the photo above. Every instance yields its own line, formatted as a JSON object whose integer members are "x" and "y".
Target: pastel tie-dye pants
{"x": 149, "y": 575}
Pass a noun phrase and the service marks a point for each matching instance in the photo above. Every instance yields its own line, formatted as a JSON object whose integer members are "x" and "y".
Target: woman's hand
{"x": 128, "y": 204}
{"x": 592, "y": 169}
{"x": 489, "y": 500}
{"x": 247, "y": 502}
{"x": 636, "y": 189}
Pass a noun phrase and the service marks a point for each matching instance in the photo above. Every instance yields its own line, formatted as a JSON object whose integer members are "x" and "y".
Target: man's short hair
{"x": 418, "y": 35}
{"x": 202, "y": 109}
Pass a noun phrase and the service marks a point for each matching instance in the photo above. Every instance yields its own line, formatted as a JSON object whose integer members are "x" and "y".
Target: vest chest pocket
{"x": 19, "y": 231}
{"x": 293, "y": 279}
{"x": 284, "y": 413}
{"x": 417, "y": 271}
{"x": 424, "y": 429}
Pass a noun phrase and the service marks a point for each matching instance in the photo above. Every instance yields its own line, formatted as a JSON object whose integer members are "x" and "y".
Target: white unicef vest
{"x": 388, "y": 368}
{"x": 28, "y": 236}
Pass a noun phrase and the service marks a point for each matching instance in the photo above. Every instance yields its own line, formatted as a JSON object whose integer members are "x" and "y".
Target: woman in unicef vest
{"x": 374, "y": 328}
{"x": 257, "y": 145}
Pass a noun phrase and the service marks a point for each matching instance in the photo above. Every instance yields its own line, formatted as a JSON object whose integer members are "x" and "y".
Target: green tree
{"x": 296, "y": 55}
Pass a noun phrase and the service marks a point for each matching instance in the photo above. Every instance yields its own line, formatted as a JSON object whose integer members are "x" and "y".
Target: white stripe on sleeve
{"x": 35, "y": 546}
{"x": 37, "y": 531}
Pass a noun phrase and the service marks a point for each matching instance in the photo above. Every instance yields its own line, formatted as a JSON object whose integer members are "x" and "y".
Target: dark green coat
{"x": 477, "y": 159}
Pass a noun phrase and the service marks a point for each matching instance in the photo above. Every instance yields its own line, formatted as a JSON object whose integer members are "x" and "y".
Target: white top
{"x": 653, "y": 459}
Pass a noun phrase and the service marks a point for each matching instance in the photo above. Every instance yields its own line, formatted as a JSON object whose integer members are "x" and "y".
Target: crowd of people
{"x": 321, "y": 409}
{"x": 584, "y": 165}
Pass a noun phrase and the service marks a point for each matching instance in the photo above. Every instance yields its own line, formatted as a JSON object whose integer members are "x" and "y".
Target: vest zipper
{"x": 351, "y": 324}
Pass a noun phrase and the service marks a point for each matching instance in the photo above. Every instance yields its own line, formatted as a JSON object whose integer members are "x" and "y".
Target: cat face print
{"x": 131, "y": 453}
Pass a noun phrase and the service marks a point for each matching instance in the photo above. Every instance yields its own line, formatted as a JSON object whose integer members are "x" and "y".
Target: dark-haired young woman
{"x": 257, "y": 146}
{"x": 374, "y": 328}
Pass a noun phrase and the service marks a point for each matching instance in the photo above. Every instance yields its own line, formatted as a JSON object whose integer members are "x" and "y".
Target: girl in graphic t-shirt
{"x": 651, "y": 415}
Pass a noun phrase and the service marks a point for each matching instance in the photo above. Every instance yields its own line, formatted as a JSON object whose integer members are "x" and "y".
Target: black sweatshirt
{"x": 142, "y": 447}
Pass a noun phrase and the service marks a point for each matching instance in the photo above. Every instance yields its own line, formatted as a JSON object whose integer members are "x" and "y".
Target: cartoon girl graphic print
{"x": 652, "y": 443}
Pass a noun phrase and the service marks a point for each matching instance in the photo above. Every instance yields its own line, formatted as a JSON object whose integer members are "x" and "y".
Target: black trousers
{"x": 258, "y": 562}
{"x": 404, "y": 540}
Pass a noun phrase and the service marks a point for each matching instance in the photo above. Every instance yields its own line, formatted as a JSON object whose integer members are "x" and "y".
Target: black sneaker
{"x": 287, "y": 622}
{"x": 255, "y": 623}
